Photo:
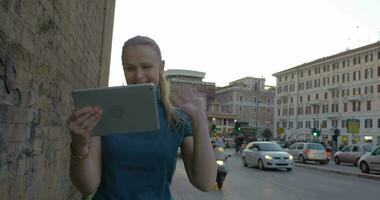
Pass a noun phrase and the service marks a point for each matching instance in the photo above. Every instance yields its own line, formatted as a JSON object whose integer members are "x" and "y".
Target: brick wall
{"x": 47, "y": 48}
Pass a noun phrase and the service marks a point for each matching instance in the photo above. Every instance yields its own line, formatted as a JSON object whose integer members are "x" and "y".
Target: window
{"x": 345, "y": 107}
{"x": 309, "y": 72}
{"x": 368, "y": 105}
{"x": 292, "y": 76}
{"x": 301, "y": 99}
{"x": 325, "y": 109}
{"x": 344, "y": 123}
{"x": 368, "y": 123}
{"x": 368, "y": 73}
{"x": 317, "y": 96}
{"x": 334, "y": 123}
{"x": 301, "y": 74}
{"x": 346, "y": 77}
{"x": 356, "y": 106}
{"x": 300, "y": 124}
{"x": 356, "y": 76}
{"x": 307, "y": 124}
{"x": 324, "y": 124}
{"x": 378, "y": 123}
{"x": 308, "y": 97}
{"x": 366, "y": 58}
{"x": 325, "y": 95}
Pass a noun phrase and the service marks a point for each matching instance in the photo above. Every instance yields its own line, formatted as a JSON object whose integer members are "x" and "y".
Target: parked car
{"x": 352, "y": 153}
{"x": 370, "y": 161}
{"x": 267, "y": 155}
{"x": 304, "y": 151}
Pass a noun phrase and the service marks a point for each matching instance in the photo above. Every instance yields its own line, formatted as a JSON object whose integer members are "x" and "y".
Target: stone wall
{"x": 47, "y": 48}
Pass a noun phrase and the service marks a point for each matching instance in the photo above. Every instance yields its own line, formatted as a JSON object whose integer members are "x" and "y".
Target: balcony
{"x": 333, "y": 87}
{"x": 316, "y": 102}
{"x": 353, "y": 98}
{"x": 334, "y": 116}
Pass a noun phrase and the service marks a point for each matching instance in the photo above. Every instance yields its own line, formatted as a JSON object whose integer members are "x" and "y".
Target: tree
{"x": 267, "y": 134}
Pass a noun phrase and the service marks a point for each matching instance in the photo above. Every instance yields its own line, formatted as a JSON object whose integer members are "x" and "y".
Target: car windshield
{"x": 367, "y": 148}
{"x": 270, "y": 147}
{"x": 315, "y": 147}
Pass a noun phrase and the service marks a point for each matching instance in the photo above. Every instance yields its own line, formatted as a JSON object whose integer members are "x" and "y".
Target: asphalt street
{"x": 302, "y": 183}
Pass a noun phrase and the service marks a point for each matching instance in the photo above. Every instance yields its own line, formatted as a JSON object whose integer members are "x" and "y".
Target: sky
{"x": 229, "y": 40}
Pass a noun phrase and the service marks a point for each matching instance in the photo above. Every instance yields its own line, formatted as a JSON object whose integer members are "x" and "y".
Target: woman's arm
{"x": 85, "y": 173}
{"x": 198, "y": 156}
{"x": 197, "y": 152}
{"x": 85, "y": 163}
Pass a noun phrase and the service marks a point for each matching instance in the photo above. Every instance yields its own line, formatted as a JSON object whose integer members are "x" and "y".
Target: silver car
{"x": 304, "y": 151}
{"x": 267, "y": 155}
{"x": 370, "y": 161}
{"x": 352, "y": 153}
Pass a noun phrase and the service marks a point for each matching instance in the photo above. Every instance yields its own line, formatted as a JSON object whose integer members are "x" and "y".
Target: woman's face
{"x": 142, "y": 64}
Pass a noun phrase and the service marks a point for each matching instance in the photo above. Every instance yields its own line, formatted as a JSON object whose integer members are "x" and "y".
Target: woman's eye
{"x": 129, "y": 68}
{"x": 146, "y": 66}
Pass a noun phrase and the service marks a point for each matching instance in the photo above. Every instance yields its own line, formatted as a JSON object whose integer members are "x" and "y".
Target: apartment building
{"x": 328, "y": 93}
{"x": 250, "y": 101}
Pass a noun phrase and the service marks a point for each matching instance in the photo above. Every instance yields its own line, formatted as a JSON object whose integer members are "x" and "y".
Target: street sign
{"x": 353, "y": 126}
{"x": 280, "y": 130}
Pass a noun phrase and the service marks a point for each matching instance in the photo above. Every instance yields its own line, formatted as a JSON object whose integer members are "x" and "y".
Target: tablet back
{"x": 126, "y": 109}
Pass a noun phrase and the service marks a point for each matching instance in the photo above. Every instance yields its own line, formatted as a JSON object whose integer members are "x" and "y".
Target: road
{"x": 302, "y": 183}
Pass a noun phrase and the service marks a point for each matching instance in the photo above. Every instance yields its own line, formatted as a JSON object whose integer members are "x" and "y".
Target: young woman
{"x": 141, "y": 166}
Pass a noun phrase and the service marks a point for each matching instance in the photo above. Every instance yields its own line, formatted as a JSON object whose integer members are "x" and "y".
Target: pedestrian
{"x": 219, "y": 141}
{"x": 141, "y": 166}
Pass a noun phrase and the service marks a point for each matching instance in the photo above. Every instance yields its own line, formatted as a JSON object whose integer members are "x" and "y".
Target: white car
{"x": 267, "y": 155}
{"x": 370, "y": 161}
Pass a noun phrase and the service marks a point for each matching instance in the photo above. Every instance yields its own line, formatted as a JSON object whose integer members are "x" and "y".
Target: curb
{"x": 360, "y": 175}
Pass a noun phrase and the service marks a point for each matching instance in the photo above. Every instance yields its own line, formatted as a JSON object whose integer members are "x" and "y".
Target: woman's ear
{"x": 162, "y": 66}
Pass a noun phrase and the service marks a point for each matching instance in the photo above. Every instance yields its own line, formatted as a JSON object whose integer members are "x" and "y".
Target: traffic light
{"x": 314, "y": 132}
{"x": 337, "y": 132}
{"x": 213, "y": 128}
{"x": 237, "y": 126}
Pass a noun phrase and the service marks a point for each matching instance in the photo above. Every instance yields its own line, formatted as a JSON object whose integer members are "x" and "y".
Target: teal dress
{"x": 140, "y": 166}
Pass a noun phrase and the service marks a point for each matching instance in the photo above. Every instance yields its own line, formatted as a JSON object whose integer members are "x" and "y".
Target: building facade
{"x": 330, "y": 93}
{"x": 250, "y": 101}
{"x": 47, "y": 49}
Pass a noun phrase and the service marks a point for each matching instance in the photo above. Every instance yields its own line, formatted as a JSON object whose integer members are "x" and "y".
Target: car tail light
{"x": 306, "y": 152}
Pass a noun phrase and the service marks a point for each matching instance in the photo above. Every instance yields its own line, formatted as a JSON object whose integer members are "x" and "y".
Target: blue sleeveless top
{"x": 140, "y": 166}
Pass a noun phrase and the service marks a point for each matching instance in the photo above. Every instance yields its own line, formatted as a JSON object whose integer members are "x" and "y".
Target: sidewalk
{"x": 348, "y": 170}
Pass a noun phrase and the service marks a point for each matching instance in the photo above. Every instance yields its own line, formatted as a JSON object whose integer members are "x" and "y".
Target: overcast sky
{"x": 232, "y": 39}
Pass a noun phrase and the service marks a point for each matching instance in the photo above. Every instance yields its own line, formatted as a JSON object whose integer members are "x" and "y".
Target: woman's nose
{"x": 139, "y": 74}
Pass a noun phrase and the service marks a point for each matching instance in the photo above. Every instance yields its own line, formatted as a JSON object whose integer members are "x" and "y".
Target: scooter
{"x": 222, "y": 170}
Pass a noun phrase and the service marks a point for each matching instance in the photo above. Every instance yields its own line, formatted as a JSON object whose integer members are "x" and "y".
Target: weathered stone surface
{"x": 47, "y": 49}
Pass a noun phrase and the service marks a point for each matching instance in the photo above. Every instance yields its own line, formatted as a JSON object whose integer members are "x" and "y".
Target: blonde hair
{"x": 173, "y": 118}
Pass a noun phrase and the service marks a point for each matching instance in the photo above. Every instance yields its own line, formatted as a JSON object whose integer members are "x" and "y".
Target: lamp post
{"x": 257, "y": 104}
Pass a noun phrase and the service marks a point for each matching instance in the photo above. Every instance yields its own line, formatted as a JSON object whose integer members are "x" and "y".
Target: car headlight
{"x": 219, "y": 162}
{"x": 290, "y": 157}
{"x": 268, "y": 157}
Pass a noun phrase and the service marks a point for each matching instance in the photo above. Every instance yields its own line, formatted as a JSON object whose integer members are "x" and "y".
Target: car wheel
{"x": 260, "y": 164}
{"x": 301, "y": 159}
{"x": 356, "y": 162}
{"x": 364, "y": 167}
{"x": 337, "y": 160}
{"x": 244, "y": 162}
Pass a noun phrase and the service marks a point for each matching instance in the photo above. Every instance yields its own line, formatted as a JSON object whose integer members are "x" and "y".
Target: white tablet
{"x": 126, "y": 109}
